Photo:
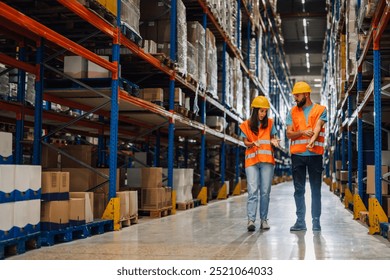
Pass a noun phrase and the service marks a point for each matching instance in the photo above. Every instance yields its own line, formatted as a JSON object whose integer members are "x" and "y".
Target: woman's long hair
{"x": 254, "y": 121}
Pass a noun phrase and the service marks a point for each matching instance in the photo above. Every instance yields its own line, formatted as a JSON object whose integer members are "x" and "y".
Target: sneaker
{"x": 264, "y": 224}
{"x": 316, "y": 224}
{"x": 298, "y": 226}
{"x": 251, "y": 226}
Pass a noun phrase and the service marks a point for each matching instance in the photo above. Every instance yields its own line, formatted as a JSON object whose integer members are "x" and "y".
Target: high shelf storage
{"x": 138, "y": 96}
{"x": 358, "y": 45}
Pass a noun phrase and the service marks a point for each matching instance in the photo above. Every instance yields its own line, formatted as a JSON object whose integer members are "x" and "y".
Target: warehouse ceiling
{"x": 300, "y": 19}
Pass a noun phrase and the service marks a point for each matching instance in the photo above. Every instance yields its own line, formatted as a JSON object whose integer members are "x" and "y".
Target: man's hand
{"x": 275, "y": 142}
{"x": 308, "y": 132}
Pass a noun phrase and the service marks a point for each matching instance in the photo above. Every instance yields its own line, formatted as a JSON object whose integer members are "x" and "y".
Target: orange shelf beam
{"x": 26, "y": 23}
{"x": 87, "y": 108}
{"x": 382, "y": 24}
{"x": 90, "y": 17}
{"x": 12, "y": 62}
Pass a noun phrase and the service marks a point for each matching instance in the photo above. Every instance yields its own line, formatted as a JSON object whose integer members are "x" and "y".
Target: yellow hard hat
{"x": 301, "y": 87}
{"x": 260, "y": 102}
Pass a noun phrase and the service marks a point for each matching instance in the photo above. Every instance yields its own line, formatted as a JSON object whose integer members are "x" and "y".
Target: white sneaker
{"x": 251, "y": 226}
{"x": 264, "y": 224}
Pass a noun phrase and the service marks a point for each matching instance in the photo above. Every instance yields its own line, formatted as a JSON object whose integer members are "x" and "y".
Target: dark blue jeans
{"x": 314, "y": 166}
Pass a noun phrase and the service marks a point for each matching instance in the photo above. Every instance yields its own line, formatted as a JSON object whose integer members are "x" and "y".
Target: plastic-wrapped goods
{"x": 192, "y": 60}
{"x": 211, "y": 64}
{"x": 230, "y": 96}
{"x": 229, "y": 76}
{"x": 130, "y": 14}
{"x": 30, "y": 88}
{"x": 4, "y": 83}
{"x": 246, "y": 99}
{"x": 181, "y": 37}
{"x": 252, "y": 55}
{"x": 155, "y": 25}
{"x": 237, "y": 88}
{"x": 197, "y": 37}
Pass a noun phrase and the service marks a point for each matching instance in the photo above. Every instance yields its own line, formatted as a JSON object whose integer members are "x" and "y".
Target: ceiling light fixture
{"x": 304, "y": 22}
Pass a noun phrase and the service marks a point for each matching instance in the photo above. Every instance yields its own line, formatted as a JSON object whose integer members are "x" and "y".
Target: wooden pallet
{"x": 129, "y": 221}
{"x": 197, "y": 202}
{"x": 156, "y": 213}
{"x": 97, "y": 8}
{"x": 185, "y": 205}
{"x": 165, "y": 60}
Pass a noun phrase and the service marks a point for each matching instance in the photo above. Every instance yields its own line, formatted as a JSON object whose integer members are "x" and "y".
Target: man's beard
{"x": 301, "y": 103}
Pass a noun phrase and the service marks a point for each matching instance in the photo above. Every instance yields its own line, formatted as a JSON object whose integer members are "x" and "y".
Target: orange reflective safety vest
{"x": 298, "y": 145}
{"x": 263, "y": 153}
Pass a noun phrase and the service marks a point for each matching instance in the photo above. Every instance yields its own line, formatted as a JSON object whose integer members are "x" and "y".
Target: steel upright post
{"x": 37, "y": 148}
{"x": 114, "y": 109}
{"x": 350, "y": 159}
{"x": 378, "y": 125}
{"x": 360, "y": 139}
{"x": 20, "y": 117}
{"x": 171, "y": 127}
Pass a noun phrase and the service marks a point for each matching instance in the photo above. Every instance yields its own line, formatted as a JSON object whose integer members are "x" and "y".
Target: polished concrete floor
{"x": 218, "y": 232}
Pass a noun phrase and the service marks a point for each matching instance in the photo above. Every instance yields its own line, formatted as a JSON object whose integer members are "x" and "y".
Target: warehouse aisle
{"x": 218, "y": 231}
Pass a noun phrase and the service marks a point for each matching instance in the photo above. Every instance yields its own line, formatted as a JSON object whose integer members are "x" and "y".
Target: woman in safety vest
{"x": 259, "y": 135}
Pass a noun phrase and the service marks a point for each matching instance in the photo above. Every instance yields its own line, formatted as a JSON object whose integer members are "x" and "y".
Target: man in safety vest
{"x": 305, "y": 128}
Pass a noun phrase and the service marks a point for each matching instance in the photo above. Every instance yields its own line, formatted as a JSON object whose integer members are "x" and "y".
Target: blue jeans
{"x": 259, "y": 177}
{"x": 314, "y": 166}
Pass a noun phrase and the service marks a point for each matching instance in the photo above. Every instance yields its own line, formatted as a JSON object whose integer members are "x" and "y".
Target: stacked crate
{"x": 155, "y": 26}
{"x": 154, "y": 195}
{"x": 20, "y": 204}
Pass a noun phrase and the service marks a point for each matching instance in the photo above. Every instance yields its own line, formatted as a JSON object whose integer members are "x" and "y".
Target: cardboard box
{"x": 371, "y": 179}
{"x": 168, "y": 197}
{"x": 55, "y": 182}
{"x": 154, "y": 9}
{"x": 133, "y": 195}
{"x": 49, "y": 158}
{"x": 99, "y": 204}
{"x": 77, "y": 210}
{"x": 55, "y": 212}
{"x": 84, "y": 153}
{"x": 179, "y": 96}
{"x": 153, "y": 94}
{"x": 153, "y": 198}
{"x": 80, "y": 179}
{"x": 124, "y": 204}
{"x": 88, "y": 203}
{"x": 344, "y": 175}
{"x": 151, "y": 177}
{"x": 100, "y": 179}
{"x": 134, "y": 177}
{"x": 96, "y": 71}
{"x": 75, "y": 66}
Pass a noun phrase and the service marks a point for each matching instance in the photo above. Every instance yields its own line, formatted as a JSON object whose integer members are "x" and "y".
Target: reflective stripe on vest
{"x": 264, "y": 152}
{"x": 258, "y": 152}
{"x": 306, "y": 141}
